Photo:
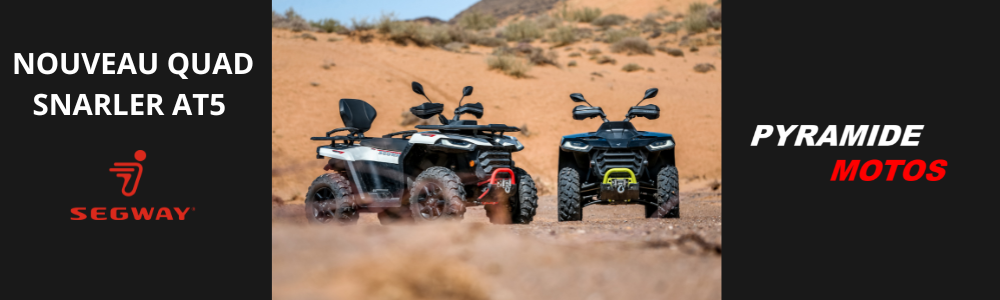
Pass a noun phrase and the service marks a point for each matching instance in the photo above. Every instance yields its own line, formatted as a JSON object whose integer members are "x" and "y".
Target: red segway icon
{"x": 127, "y": 172}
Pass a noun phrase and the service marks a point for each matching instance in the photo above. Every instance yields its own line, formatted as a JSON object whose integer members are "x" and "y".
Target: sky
{"x": 343, "y": 10}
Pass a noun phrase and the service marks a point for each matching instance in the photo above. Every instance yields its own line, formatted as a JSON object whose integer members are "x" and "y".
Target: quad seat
{"x": 357, "y": 114}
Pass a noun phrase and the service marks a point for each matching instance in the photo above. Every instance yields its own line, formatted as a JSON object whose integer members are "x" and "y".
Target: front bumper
{"x": 619, "y": 192}
{"x": 619, "y": 184}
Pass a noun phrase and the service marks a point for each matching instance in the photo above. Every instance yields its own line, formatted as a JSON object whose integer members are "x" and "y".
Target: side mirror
{"x": 577, "y": 97}
{"x": 650, "y": 93}
{"x": 467, "y": 91}
{"x": 417, "y": 88}
{"x": 427, "y": 110}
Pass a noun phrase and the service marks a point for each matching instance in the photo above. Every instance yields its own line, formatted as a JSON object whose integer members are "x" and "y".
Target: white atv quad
{"x": 422, "y": 176}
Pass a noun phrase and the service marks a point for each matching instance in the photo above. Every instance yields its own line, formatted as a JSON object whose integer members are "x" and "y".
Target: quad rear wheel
{"x": 329, "y": 200}
{"x": 437, "y": 194}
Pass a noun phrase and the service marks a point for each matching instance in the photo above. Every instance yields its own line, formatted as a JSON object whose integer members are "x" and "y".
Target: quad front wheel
{"x": 437, "y": 194}
{"x": 668, "y": 203}
{"x": 570, "y": 208}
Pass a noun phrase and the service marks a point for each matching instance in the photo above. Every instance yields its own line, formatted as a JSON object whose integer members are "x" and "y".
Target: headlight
{"x": 576, "y": 145}
{"x": 517, "y": 144}
{"x": 661, "y": 145}
{"x": 457, "y": 144}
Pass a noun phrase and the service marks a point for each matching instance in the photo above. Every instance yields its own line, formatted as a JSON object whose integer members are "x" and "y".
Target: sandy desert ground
{"x": 613, "y": 254}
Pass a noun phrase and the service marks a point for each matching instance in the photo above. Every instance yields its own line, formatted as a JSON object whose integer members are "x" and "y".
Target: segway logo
{"x": 126, "y": 173}
{"x": 388, "y": 153}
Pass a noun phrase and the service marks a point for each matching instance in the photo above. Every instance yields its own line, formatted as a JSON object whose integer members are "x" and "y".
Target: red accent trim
{"x": 427, "y": 134}
{"x": 339, "y": 152}
{"x": 493, "y": 180}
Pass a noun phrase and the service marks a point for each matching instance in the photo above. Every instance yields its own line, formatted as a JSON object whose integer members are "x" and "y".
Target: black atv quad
{"x": 617, "y": 164}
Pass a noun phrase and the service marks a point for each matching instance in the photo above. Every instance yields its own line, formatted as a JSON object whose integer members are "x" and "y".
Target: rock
{"x": 704, "y": 67}
{"x": 671, "y": 51}
{"x": 314, "y": 83}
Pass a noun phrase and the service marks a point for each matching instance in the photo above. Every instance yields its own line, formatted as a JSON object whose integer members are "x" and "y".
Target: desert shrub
{"x": 456, "y": 47}
{"x": 361, "y": 24}
{"x": 526, "y": 30}
{"x": 606, "y": 60}
{"x": 275, "y": 18}
{"x": 398, "y": 31}
{"x": 387, "y": 23}
{"x": 633, "y": 45}
{"x": 307, "y": 36}
{"x": 291, "y": 20}
{"x": 583, "y": 33}
{"x": 594, "y": 51}
{"x": 571, "y": 63}
{"x": 476, "y": 20}
{"x": 482, "y": 38}
{"x": 615, "y": 35}
{"x": 426, "y": 35}
{"x": 714, "y": 16}
{"x": 328, "y": 25}
{"x": 586, "y": 14}
{"x": 610, "y": 20}
{"x": 649, "y": 23}
{"x": 564, "y": 35}
{"x": 631, "y": 67}
{"x": 547, "y": 21}
{"x": 672, "y": 27}
{"x": 575, "y": 54}
{"x": 537, "y": 56}
{"x": 697, "y": 18}
{"x": 508, "y": 64}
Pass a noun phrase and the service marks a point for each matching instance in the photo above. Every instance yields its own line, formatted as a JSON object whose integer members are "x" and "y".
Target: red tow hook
{"x": 493, "y": 180}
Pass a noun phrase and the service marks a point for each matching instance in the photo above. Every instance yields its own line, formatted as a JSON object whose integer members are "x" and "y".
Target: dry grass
{"x": 508, "y": 64}
{"x": 633, "y": 45}
{"x": 564, "y": 35}
{"x": 610, "y": 20}
{"x": 523, "y": 31}
{"x": 696, "y": 20}
{"x": 614, "y": 35}
{"x": 586, "y": 14}
{"x": 476, "y": 20}
{"x": 291, "y": 20}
